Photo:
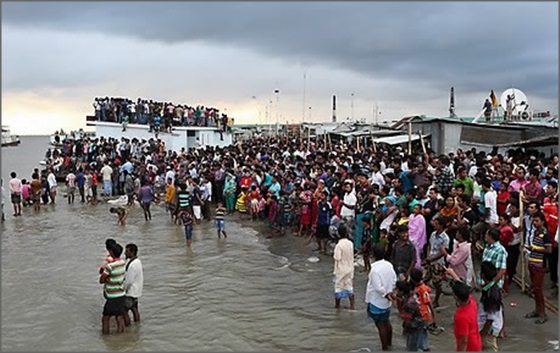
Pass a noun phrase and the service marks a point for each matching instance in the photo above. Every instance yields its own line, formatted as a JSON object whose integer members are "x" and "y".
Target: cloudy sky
{"x": 402, "y": 57}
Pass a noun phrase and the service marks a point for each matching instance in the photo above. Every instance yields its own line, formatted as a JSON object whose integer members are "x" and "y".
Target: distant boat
{"x": 8, "y": 139}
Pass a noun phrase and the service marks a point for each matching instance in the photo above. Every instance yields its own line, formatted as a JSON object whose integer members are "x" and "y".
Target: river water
{"x": 245, "y": 293}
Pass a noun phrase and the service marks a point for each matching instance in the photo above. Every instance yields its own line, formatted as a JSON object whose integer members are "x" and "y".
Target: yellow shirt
{"x": 170, "y": 193}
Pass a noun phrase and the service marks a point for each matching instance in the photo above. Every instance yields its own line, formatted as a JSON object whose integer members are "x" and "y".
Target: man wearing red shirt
{"x": 465, "y": 326}
{"x": 533, "y": 189}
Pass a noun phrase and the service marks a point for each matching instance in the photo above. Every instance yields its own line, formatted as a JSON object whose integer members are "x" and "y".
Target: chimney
{"x": 334, "y": 109}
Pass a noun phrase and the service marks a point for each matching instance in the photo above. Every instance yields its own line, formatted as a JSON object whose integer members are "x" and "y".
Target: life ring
{"x": 525, "y": 116}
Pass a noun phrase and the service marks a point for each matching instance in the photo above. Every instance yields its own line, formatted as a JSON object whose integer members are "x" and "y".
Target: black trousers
{"x": 553, "y": 263}
{"x": 513, "y": 252}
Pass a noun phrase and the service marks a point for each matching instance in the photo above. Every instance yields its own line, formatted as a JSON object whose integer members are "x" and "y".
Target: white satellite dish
{"x": 519, "y": 101}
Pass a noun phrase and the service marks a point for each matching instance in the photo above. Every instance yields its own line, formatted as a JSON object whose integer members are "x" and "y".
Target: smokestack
{"x": 334, "y": 109}
{"x": 452, "y": 103}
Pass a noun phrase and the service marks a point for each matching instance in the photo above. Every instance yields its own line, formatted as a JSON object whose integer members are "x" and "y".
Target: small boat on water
{"x": 8, "y": 139}
{"x": 57, "y": 139}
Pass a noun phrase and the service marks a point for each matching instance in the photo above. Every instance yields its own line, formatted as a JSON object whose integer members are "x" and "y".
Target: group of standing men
{"x": 123, "y": 280}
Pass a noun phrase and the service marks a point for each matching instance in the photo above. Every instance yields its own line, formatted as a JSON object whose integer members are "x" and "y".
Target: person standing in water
{"x": 146, "y": 196}
{"x": 188, "y": 222}
{"x": 71, "y": 186}
{"x": 15, "y": 192}
{"x": 112, "y": 277}
{"x": 133, "y": 283}
{"x": 382, "y": 280}
{"x": 36, "y": 191}
{"x": 51, "y": 179}
{"x": 220, "y": 222}
{"x": 343, "y": 269}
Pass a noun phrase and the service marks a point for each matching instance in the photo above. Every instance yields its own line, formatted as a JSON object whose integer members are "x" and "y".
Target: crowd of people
{"x": 161, "y": 116}
{"x": 411, "y": 213}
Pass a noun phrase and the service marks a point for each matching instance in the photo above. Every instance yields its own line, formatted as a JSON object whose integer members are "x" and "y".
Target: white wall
{"x": 174, "y": 141}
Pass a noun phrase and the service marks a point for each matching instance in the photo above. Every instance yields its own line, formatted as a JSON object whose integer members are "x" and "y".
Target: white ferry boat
{"x": 8, "y": 139}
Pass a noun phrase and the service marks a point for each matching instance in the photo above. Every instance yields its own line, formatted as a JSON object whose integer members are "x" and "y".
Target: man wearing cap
{"x": 170, "y": 174}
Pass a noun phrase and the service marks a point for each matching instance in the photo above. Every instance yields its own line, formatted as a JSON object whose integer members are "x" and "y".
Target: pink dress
{"x": 417, "y": 235}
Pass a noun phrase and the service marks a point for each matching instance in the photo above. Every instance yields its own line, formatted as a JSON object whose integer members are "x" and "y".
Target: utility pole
{"x": 352, "y": 106}
{"x": 277, "y": 93}
{"x": 304, "y": 88}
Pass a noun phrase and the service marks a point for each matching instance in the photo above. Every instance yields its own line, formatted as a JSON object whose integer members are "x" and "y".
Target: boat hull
{"x": 11, "y": 143}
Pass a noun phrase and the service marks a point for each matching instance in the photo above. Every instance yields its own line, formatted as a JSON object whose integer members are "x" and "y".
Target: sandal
{"x": 531, "y": 315}
{"x": 541, "y": 320}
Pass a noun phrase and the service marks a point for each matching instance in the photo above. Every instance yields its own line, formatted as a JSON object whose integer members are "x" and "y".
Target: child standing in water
{"x": 366, "y": 243}
{"x": 220, "y": 223}
{"x": 188, "y": 222}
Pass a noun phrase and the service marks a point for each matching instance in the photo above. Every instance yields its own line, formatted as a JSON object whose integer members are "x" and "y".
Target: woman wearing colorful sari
{"x": 229, "y": 192}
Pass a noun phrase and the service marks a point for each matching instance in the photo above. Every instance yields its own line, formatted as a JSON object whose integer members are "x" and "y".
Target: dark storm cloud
{"x": 477, "y": 46}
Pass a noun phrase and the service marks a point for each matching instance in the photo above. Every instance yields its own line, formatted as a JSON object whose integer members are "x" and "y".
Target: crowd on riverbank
{"x": 161, "y": 116}
{"x": 422, "y": 208}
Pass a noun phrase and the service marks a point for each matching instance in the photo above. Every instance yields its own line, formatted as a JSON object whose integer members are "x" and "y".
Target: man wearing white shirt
{"x": 133, "y": 283}
{"x": 207, "y": 197}
{"x": 491, "y": 211}
{"x": 348, "y": 210}
{"x": 376, "y": 176}
{"x": 170, "y": 174}
{"x": 51, "y": 179}
{"x": 382, "y": 280}
{"x": 490, "y": 203}
{"x": 15, "y": 193}
{"x": 107, "y": 173}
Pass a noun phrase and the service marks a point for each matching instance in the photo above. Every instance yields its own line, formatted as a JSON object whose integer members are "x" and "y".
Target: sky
{"x": 382, "y": 60}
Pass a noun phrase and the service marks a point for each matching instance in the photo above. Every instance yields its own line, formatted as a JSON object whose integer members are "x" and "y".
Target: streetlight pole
{"x": 304, "y": 88}
{"x": 255, "y": 106}
{"x": 269, "y": 116}
{"x": 277, "y": 93}
{"x": 352, "y": 105}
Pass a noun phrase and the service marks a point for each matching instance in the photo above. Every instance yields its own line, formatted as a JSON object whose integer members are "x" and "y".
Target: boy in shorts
{"x": 219, "y": 220}
{"x": 426, "y": 309}
{"x": 188, "y": 221}
{"x": 366, "y": 243}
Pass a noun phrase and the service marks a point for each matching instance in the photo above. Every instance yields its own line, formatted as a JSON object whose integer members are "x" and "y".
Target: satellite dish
{"x": 518, "y": 102}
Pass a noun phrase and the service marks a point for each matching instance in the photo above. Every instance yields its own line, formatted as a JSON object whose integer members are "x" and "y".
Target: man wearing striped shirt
{"x": 539, "y": 248}
{"x": 112, "y": 279}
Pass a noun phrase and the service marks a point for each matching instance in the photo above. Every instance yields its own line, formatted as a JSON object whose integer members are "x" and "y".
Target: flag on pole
{"x": 494, "y": 99}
